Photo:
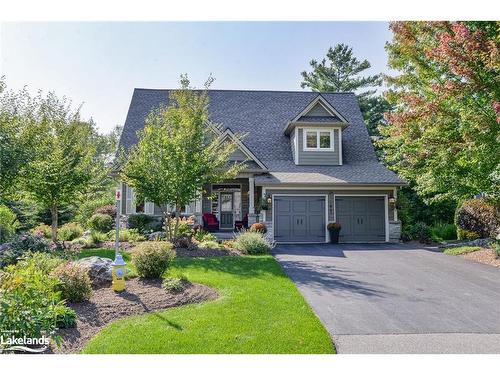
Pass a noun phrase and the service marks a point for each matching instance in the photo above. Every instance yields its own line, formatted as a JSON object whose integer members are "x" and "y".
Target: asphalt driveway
{"x": 391, "y": 298}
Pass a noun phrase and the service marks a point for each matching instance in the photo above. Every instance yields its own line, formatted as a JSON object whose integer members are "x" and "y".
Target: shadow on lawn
{"x": 242, "y": 266}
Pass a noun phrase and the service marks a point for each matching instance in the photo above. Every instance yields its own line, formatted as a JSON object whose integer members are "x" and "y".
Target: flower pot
{"x": 334, "y": 235}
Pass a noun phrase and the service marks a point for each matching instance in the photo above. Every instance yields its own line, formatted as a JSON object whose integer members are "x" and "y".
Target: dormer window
{"x": 318, "y": 140}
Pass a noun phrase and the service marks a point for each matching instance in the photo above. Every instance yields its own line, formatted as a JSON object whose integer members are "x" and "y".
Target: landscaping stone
{"x": 99, "y": 269}
{"x": 155, "y": 236}
{"x": 4, "y": 247}
{"x": 481, "y": 242}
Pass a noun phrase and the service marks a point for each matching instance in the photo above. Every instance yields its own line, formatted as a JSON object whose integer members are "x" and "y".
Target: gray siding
{"x": 238, "y": 155}
{"x": 330, "y": 192}
{"x": 318, "y": 157}
{"x": 318, "y": 110}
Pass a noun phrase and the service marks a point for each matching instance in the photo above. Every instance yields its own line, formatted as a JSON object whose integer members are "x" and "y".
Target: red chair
{"x": 210, "y": 222}
{"x": 240, "y": 224}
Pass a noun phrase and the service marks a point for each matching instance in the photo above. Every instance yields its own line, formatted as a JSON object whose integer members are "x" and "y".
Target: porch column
{"x": 198, "y": 208}
{"x": 252, "y": 217}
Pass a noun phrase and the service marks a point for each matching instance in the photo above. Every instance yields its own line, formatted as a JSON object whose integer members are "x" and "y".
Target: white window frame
{"x": 318, "y": 131}
{"x": 149, "y": 208}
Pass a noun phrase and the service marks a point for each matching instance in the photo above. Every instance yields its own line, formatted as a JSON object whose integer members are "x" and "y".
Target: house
{"x": 309, "y": 161}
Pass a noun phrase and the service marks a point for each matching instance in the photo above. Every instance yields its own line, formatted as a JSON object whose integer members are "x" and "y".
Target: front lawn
{"x": 259, "y": 311}
{"x": 461, "y": 250}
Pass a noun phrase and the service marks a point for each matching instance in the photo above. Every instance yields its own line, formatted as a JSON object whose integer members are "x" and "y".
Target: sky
{"x": 99, "y": 64}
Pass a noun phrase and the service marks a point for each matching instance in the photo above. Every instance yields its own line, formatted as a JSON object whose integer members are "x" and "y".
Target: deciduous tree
{"x": 444, "y": 131}
{"x": 178, "y": 152}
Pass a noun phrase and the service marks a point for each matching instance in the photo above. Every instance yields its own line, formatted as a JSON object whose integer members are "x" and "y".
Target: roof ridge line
{"x": 243, "y": 90}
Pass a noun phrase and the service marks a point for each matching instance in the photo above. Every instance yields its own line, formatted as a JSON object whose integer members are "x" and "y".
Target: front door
{"x": 226, "y": 210}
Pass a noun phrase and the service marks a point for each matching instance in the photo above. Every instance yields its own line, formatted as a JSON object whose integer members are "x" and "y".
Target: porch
{"x": 228, "y": 206}
{"x": 223, "y": 207}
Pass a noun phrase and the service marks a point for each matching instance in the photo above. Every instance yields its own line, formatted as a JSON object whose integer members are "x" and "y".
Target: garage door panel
{"x": 282, "y": 206}
{"x": 299, "y": 219}
{"x": 299, "y": 226}
{"x": 376, "y": 224}
{"x": 317, "y": 205}
{"x": 316, "y": 226}
{"x": 283, "y": 224}
{"x": 362, "y": 218}
{"x": 299, "y": 205}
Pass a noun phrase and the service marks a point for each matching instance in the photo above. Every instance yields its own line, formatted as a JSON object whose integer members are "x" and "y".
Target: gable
{"x": 243, "y": 153}
{"x": 318, "y": 113}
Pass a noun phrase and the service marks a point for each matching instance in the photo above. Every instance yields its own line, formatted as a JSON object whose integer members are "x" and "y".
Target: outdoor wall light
{"x": 392, "y": 200}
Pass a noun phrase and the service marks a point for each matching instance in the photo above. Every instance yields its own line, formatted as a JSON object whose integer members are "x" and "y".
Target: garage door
{"x": 362, "y": 218}
{"x": 299, "y": 219}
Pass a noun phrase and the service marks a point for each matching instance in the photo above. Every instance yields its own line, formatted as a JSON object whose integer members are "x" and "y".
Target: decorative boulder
{"x": 99, "y": 269}
{"x": 156, "y": 236}
{"x": 4, "y": 247}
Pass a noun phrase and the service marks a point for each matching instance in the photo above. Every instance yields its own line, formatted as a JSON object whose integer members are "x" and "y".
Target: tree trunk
{"x": 177, "y": 217}
{"x": 53, "y": 211}
{"x": 166, "y": 222}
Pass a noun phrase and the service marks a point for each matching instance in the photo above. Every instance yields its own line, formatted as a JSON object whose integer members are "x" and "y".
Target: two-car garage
{"x": 303, "y": 218}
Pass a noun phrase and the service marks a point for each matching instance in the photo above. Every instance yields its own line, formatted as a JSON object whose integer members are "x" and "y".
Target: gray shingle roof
{"x": 263, "y": 115}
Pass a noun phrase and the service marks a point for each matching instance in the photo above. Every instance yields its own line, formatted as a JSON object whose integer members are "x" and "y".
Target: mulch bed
{"x": 141, "y": 296}
{"x": 486, "y": 256}
{"x": 199, "y": 252}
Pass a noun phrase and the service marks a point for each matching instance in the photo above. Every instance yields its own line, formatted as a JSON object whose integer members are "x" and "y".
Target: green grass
{"x": 109, "y": 253}
{"x": 462, "y": 250}
{"x": 259, "y": 311}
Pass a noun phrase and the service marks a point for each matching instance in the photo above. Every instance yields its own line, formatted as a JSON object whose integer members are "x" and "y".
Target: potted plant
{"x": 334, "y": 229}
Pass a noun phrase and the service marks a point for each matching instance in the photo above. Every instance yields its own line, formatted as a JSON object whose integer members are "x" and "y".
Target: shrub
{"x": 463, "y": 234}
{"x": 175, "y": 284}
{"x": 202, "y": 235}
{"x": 479, "y": 216}
{"x": 65, "y": 317}
{"x": 108, "y": 209}
{"x": 22, "y": 244}
{"x": 126, "y": 235}
{"x": 101, "y": 223}
{"x": 139, "y": 222}
{"x": 151, "y": 259}
{"x": 184, "y": 228}
{"x": 70, "y": 231}
{"x": 30, "y": 303}
{"x": 496, "y": 249}
{"x": 419, "y": 231}
{"x": 95, "y": 239}
{"x": 75, "y": 284}
{"x": 89, "y": 207}
{"x": 443, "y": 232}
{"x": 258, "y": 227}
{"x": 8, "y": 224}
{"x": 206, "y": 244}
{"x": 252, "y": 243}
{"x": 45, "y": 262}
{"x": 43, "y": 229}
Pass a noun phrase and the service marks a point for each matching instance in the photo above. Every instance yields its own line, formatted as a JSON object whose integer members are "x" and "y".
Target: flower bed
{"x": 105, "y": 306}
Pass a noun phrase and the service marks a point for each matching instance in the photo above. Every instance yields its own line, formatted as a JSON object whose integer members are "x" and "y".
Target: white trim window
{"x": 130, "y": 201}
{"x": 149, "y": 208}
{"x": 318, "y": 140}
